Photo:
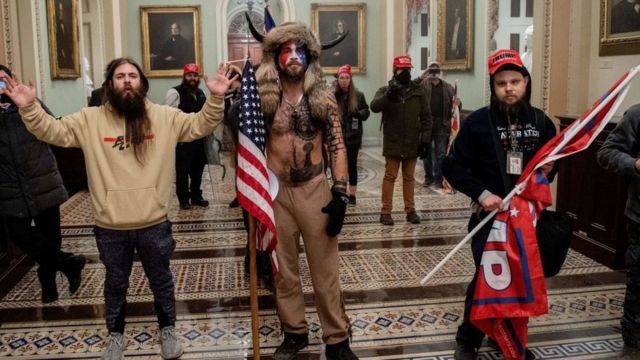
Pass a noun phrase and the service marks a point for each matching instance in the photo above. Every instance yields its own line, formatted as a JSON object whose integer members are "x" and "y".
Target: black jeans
{"x": 630, "y": 321}
{"x": 437, "y": 148}
{"x": 467, "y": 333}
{"x": 42, "y": 242}
{"x": 154, "y": 245}
{"x": 352, "y": 162}
{"x": 190, "y": 161}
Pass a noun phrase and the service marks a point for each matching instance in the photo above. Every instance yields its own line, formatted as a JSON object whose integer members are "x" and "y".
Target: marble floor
{"x": 392, "y": 316}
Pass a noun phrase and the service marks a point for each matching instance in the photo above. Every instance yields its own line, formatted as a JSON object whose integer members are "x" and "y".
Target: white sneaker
{"x": 170, "y": 347}
{"x": 115, "y": 347}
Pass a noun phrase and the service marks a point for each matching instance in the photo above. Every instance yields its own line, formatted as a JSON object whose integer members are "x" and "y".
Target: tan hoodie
{"x": 126, "y": 195}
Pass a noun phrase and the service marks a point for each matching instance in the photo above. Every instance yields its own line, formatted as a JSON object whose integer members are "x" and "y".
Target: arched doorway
{"x": 239, "y": 39}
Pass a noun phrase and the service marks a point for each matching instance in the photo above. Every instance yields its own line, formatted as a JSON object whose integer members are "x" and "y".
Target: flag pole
{"x": 253, "y": 288}
{"x": 519, "y": 187}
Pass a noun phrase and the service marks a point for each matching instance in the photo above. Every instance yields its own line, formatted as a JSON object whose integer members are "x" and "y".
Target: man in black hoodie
{"x": 492, "y": 149}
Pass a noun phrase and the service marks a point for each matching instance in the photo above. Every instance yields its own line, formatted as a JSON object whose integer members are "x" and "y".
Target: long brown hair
{"x": 351, "y": 97}
{"x": 135, "y": 114}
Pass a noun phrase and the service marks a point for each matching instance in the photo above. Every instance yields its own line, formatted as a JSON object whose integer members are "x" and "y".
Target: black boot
{"x": 340, "y": 351}
{"x": 72, "y": 267}
{"x": 48, "y": 284}
{"x": 291, "y": 345}
{"x": 199, "y": 201}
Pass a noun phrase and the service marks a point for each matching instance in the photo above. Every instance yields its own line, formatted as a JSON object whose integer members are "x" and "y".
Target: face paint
{"x": 291, "y": 54}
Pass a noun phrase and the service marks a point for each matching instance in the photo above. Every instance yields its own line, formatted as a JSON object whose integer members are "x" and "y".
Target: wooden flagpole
{"x": 253, "y": 288}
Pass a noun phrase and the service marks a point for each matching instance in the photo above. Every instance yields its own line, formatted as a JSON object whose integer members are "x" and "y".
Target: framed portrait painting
{"x": 170, "y": 39}
{"x": 62, "y": 27}
{"x": 455, "y": 34}
{"x": 619, "y": 27}
{"x": 330, "y": 21}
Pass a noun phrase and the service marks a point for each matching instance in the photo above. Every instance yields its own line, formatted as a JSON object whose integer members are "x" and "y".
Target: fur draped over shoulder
{"x": 315, "y": 87}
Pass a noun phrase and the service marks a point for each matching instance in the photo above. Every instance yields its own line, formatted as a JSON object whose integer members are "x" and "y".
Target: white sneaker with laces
{"x": 115, "y": 347}
{"x": 170, "y": 346}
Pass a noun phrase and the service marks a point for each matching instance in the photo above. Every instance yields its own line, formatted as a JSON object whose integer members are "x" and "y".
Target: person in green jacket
{"x": 406, "y": 123}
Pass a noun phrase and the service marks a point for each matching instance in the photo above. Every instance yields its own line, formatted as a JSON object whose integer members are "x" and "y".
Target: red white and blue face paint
{"x": 292, "y": 54}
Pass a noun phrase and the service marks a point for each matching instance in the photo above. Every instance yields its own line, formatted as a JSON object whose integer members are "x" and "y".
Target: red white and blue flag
{"x": 510, "y": 283}
{"x": 252, "y": 179}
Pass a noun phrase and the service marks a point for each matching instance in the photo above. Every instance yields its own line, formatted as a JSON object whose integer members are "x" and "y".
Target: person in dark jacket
{"x": 190, "y": 156}
{"x": 406, "y": 122}
{"x": 442, "y": 98}
{"x": 492, "y": 149}
{"x": 620, "y": 154}
{"x": 31, "y": 191}
{"x": 354, "y": 110}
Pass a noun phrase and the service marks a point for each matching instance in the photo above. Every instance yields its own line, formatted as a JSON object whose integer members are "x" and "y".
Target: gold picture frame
{"x": 455, "y": 34}
{"x": 619, "y": 31}
{"x": 170, "y": 39}
{"x": 62, "y": 28}
{"x": 328, "y": 20}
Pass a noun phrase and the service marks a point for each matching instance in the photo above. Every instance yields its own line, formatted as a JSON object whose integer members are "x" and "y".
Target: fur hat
{"x": 315, "y": 87}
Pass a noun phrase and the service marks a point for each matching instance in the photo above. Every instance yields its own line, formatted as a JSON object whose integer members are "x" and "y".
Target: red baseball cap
{"x": 504, "y": 57}
{"x": 402, "y": 62}
{"x": 191, "y": 68}
{"x": 344, "y": 69}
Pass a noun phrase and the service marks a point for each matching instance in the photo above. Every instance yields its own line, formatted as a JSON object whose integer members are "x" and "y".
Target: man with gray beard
{"x": 128, "y": 144}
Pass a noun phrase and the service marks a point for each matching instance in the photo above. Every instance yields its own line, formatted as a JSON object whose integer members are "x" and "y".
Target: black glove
{"x": 394, "y": 90}
{"x": 423, "y": 150}
{"x": 336, "y": 209}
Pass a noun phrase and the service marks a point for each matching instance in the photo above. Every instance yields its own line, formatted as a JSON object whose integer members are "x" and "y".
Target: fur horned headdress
{"x": 315, "y": 87}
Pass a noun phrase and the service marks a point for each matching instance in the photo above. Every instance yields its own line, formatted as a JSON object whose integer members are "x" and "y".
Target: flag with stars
{"x": 510, "y": 284}
{"x": 252, "y": 179}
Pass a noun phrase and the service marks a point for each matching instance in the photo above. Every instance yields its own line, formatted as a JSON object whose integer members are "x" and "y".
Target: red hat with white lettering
{"x": 191, "y": 68}
{"x": 504, "y": 57}
{"x": 344, "y": 69}
{"x": 402, "y": 62}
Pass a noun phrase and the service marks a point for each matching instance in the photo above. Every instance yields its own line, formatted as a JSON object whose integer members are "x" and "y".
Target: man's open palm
{"x": 21, "y": 94}
{"x": 221, "y": 82}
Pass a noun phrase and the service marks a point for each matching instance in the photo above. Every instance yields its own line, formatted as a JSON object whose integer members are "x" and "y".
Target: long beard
{"x": 134, "y": 111}
{"x": 129, "y": 107}
{"x": 511, "y": 109}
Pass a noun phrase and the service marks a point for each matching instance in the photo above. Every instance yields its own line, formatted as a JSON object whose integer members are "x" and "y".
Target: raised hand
{"x": 221, "y": 82}
{"x": 21, "y": 94}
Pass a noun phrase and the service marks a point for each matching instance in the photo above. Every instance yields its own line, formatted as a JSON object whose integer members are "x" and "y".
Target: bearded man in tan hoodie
{"x": 128, "y": 145}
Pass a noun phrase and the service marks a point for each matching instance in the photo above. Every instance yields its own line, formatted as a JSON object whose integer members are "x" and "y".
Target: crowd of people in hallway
{"x": 134, "y": 149}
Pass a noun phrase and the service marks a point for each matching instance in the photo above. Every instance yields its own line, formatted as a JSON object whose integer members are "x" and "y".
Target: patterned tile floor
{"x": 392, "y": 316}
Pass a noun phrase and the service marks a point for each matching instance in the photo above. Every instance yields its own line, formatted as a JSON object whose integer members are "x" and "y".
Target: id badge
{"x": 354, "y": 124}
{"x": 514, "y": 162}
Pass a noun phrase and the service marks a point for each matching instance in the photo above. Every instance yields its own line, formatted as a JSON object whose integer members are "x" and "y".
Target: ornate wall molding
{"x": 37, "y": 24}
{"x": 7, "y": 34}
{"x": 546, "y": 51}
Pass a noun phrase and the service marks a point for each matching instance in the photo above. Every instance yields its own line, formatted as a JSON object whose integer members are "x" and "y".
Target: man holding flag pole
{"x": 302, "y": 138}
{"x": 490, "y": 152}
{"x": 509, "y": 284}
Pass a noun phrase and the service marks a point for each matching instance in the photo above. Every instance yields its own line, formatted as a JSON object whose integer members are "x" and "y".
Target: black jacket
{"x": 618, "y": 154}
{"x": 352, "y": 136}
{"x": 472, "y": 166}
{"x": 29, "y": 178}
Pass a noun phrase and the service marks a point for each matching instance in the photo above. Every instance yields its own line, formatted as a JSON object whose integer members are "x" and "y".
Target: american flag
{"x": 511, "y": 255}
{"x": 252, "y": 178}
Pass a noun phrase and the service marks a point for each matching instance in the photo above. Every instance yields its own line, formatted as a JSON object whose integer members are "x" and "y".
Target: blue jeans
{"x": 154, "y": 245}
{"x": 630, "y": 321}
{"x": 435, "y": 155}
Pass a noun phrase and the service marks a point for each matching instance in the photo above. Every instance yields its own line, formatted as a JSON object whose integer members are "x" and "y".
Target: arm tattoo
{"x": 335, "y": 145}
